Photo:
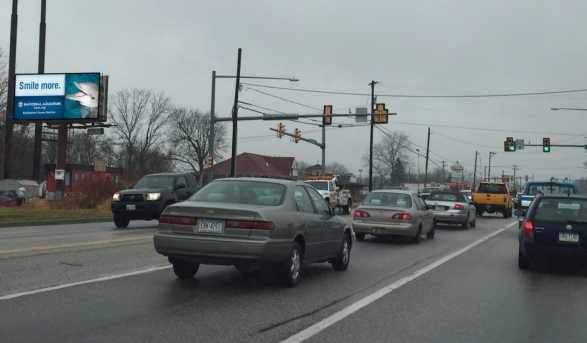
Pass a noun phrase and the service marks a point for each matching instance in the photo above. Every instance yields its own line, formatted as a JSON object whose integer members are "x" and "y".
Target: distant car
{"x": 467, "y": 192}
{"x": 426, "y": 191}
{"x": 452, "y": 208}
{"x": 253, "y": 223}
{"x": 146, "y": 199}
{"x": 555, "y": 225}
{"x": 16, "y": 195}
{"x": 7, "y": 202}
{"x": 393, "y": 213}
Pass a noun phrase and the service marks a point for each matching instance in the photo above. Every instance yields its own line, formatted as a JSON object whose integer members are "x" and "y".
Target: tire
{"x": 185, "y": 270}
{"x": 511, "y": 213}
{"x": 480, "y": 213}
{"x": 293, "y": 266}
{"x": 360, "y": 236}
{"x": 121, "y": 222}
{"x": 505, "y": 213}
{"x": 416, "y": 239}
{"x": 430, "y": 234}
{"x": 474, "y": 223}
{"x": 465, "y": 224}
{"x": 344, "y": 256}
{"x": 523, "y": 261}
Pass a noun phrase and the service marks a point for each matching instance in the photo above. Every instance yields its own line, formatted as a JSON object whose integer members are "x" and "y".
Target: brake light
{"x": 402, "y": 216}
{"x": 528, "y": 231}
{"x": 178, "y": 220}
{"x": 361, "y": 214}
{"x": 459, "y": 207}
{"x": 247, "y": 224}
{"x": 505, "y": 199}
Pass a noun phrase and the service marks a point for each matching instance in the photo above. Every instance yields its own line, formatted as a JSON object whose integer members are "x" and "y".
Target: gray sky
{"x": 410, "y": 47}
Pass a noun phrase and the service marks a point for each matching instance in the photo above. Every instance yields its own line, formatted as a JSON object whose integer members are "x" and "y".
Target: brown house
{"x": 254, "y": 165}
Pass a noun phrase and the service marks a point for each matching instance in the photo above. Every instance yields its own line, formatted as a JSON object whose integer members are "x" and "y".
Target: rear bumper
{"x": 382, "y": 229}
{"x": 450, "y": 218}
{"x": 539, "y": 252}
{"x": 208, "y": 250}
{"x": 490, "y": 208}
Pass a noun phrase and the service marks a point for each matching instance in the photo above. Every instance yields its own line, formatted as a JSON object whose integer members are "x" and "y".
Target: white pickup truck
{"x": 331, "y": 191}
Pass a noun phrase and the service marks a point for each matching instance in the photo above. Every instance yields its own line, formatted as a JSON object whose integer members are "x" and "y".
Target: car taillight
{"x": 459, "y": 207}
{"x": 402, "y": 216}
{"x": 505, "y": 199}
{"x": 528, "y": 231}
{"x": 178, "y": 220}
{"x": 473, "y": 197}
{"x": 361, "y": 214}
{"x": 247, "y": 224}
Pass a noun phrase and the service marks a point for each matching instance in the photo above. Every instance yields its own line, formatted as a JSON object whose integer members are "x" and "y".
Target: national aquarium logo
{"x": 20, "y": 104}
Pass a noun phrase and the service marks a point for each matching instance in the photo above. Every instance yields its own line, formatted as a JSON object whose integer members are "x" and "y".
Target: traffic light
{"x": 566, "y": 179}
{"x": 552, "y": 179}
{"x": 298, "y": 135}
{"x": 511, "y": 144}
{"x": 380, "y": 114}
{"x": 327, "y": 117}
{"x": 546, "y": 144}
{"x": 281, "y": 130}
{"x": 209, "y": 162}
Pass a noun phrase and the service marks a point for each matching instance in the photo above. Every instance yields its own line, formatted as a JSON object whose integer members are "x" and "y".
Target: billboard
{"x": 65, "y": 97}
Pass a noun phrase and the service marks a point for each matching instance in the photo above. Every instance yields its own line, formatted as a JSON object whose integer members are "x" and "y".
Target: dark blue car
{"x": 554, "y": 225}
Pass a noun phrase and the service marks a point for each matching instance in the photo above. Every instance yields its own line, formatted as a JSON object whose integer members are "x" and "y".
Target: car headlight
{"x": 116, "y": 197}
{"x": 153, "y": 196}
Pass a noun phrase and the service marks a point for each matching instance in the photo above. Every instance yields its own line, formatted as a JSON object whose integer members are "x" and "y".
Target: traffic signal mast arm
{"x": 311, "y": 141}
{"x": 286, "y": 116}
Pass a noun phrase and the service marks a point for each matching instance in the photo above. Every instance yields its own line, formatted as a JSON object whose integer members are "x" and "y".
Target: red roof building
{"x": 254, "y": 165}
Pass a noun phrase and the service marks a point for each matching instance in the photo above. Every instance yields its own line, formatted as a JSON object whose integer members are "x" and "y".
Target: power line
{"x": 420, "y": 96}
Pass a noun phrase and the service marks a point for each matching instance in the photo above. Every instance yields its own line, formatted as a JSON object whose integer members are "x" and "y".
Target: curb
{"x": 55, "y": 222}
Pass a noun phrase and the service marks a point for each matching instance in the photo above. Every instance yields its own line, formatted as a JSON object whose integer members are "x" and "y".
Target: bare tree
{"x": 302, "y": 165}
{"x": 3, "y": 102}
{"x": 140, "y": 117}
{"x": 336, "y": 168}
{"x": 387, "y": 152}
{"x": 189, "y": 135}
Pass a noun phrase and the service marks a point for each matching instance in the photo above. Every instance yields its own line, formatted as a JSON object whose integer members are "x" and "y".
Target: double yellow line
{"x": 76, "y": 244}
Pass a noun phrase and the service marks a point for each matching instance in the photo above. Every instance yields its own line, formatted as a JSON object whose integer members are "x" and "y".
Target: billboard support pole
{"x": 38, "y": 145}
{"x": 10, "y": 100}
{"x": 61, "y": 158}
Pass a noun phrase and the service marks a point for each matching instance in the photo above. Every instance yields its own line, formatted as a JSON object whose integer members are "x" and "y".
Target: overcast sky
{"x": 410, "y": 47}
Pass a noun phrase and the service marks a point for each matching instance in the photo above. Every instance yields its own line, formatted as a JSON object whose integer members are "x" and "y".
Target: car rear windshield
{"x": 388, "y": 199}
{"x": 550, "y": 188}
{"x": 446, "y": 197}
{"x": 241, "y": 192}
{"x": 155, "y": 181}
{"x": 319, "y": 185}
{"x": 492, "y": 189}
{"x": 429, "y": 190}
{"x": 562, "y": 210}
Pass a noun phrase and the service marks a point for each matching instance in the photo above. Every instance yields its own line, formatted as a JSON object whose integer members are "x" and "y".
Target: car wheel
{"x": 505, "y": 213}
{"x": 523, "y": 261}
{"x": 185, "y": 270}
{"x": 348, "y": 207}
{"x": 293, "y": 266}
{"x": 474, "y": 223}
{"x": 360, "y": 236}
{"x": 510, "y": 213}
{"x": 344, "y": 256}
{"x": 121, "y": 222}
{"x": 430, "y": 234}
{"x": 480, "y": 213}
{"x": 465, "y": 224}
{"x": 416, "y": 239}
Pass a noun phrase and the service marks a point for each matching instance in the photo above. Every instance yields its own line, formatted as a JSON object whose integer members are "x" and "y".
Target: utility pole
{"x": 515, "y": 168}
{"x": 427, "y": 152}
{"x": 235, "y": 116}
{"x": 475, "y": 171}
{"x": 38, "y": 143}
{"x": 10, "y": 100}
{"x": 443, "y": 176}
{"x": 372, "y": 84}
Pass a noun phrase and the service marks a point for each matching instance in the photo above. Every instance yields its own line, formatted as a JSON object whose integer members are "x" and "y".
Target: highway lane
{"x": 219, "y": 305}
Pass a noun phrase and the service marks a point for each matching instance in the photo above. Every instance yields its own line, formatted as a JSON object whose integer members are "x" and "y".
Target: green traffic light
{"x": 512, "y": 148}
{"x": 546, "y": 149}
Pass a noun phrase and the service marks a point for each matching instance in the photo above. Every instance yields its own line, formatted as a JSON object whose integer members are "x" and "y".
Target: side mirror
{"x": 180, "y": 186}
{"x": 519, "y": 213}
{"x": 338, "y": 211}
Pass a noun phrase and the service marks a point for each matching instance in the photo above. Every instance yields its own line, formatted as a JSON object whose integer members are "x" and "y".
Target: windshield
{"x": 550, "y": 188}
{"x": 388, "y": 199}
{"x": 319, "y": 185}
{"x": 241, "y": 192}
{"x": 155, "y": 181}
{"x": 451, "y": 197}
{"x": 429, "y": 190}
{"x": 492, "y": 188}
{"x": 561, "y": 210}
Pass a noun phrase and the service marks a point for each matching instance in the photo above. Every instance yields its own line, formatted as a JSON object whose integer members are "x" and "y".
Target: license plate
{"x": 131, "y": 207}
{"x": 211, "y": 226}
{"x": 568, "y": 237}
{"x": 439, "y": 208}
{"x": 488, "y": 206}
{"x": 381, "y": 231}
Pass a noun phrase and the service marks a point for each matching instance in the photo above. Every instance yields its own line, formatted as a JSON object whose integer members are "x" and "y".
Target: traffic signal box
{"x": 380, "y": 114}
{"x": 509, "y": 144}
{"x": 546, "y": 144}
{"x": 327, "y": 118}
{"x": 209, "y": 162}
{"x": 298, "y": 135}
{"x": 280, "y": 130}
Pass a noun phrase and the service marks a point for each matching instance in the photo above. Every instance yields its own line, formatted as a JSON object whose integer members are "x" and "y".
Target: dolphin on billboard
{"x": 87, "y": 97}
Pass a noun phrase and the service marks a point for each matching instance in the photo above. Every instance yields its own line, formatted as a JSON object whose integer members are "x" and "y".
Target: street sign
{"x": 96, "y": 131}
{"x": 520, "y": 144}
{"x": 361, "y": 115}
{"x": 312, "y": 141}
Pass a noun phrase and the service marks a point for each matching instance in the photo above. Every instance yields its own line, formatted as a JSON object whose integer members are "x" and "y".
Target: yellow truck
{"x": 493, "y": 197}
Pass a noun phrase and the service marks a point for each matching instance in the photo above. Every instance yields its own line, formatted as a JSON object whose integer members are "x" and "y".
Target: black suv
{"x": 146, "y": 199}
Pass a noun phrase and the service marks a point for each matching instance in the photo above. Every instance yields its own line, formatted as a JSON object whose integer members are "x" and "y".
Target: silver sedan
{"x": 391, "y": 213}
{"x": 453, "y": 208}
{"x": 252, "y": 223}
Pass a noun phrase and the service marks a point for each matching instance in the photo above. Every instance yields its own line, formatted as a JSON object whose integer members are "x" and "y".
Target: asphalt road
{"x": 442, "y": 290}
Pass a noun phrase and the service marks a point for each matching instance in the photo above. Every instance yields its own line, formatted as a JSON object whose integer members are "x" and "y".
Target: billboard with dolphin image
{"x": 64, "y": 97}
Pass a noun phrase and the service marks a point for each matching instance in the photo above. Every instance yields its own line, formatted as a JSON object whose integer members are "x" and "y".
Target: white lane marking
{"x": 105, "y": 278}
{"x": 340, "y": 315}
